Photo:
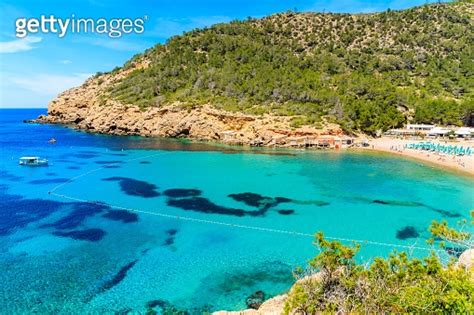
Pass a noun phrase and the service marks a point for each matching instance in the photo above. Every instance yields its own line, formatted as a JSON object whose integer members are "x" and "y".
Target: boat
{"x": 52, "y": 141}
{"x": 33, "y": 161}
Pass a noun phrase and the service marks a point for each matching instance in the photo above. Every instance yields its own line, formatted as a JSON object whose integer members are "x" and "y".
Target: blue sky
{"x": 36, "y": 68}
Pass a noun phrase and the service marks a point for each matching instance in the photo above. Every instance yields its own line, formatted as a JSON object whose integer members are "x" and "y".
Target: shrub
{"x": 397, "y": 284}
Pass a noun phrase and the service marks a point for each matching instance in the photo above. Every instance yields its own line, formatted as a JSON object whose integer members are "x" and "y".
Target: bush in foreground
{"x": 397, "y": 284}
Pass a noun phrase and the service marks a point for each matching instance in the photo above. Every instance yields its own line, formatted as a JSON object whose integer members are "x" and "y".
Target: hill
{"x": 363, "y": 72}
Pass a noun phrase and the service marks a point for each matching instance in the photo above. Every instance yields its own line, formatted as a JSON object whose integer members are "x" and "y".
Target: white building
{"x": 420, "y": 127}
{"x": 438, "y": 131}
{"x": 465, "y": 132}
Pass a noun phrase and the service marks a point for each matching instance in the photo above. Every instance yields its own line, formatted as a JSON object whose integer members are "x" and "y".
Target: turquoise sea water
{"x": 204, "y": 226}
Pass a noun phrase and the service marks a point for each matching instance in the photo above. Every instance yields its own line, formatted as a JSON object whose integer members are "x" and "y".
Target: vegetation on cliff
{"x": 367, "y": 72}
{"x": 398, "y": 284}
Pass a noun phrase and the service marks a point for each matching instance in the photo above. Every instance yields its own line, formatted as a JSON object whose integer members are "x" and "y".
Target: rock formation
{"x": 88, "y": 108}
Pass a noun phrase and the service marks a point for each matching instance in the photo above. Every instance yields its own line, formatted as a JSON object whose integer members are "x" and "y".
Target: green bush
{"x": 397, "y": 284}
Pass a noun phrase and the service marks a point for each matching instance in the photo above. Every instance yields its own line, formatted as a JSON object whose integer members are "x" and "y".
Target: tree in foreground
{"x": 397, "y": 284}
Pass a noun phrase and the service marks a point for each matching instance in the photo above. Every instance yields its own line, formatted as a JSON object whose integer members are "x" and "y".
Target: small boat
{"x": 33, "y": 161}
{"x": 52, "y": 141}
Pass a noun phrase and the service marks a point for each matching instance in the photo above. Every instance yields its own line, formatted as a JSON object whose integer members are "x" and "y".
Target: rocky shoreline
{"x": 178, "y": 121}
{"x": 89, "y": 107}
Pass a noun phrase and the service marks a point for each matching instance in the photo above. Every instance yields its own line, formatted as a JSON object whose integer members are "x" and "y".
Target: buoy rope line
{"x": 220, "y": 223}
{"x": 100, "y": 168}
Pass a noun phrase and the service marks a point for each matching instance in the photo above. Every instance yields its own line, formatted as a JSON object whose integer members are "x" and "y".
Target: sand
{"x": 463, "y": 164}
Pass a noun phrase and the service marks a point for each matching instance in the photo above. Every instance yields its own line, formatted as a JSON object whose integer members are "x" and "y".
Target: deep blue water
{"x": 127, "y": 251}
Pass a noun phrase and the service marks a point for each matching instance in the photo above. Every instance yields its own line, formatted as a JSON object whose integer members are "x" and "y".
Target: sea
{"x": 130, "y": 225}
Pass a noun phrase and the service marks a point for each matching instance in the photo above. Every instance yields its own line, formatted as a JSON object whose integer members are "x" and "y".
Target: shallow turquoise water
{"x": 60, "y": 255}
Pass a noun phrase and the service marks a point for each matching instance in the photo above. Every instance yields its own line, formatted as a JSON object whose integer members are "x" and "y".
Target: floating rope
{"x": 220, "y": 223}
{"x": 102, "y": 167}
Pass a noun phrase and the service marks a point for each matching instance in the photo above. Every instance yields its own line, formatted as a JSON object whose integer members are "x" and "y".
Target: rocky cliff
{"x": 86, "y": 108}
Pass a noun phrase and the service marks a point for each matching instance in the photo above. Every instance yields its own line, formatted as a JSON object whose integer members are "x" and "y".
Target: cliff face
{"x": 85, "y": 108}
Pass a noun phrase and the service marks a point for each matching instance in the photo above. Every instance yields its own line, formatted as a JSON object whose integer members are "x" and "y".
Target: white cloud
{"x": 65, "y": 61}
{"x": 18, "y": 45}
{"x": 49, "y": 84}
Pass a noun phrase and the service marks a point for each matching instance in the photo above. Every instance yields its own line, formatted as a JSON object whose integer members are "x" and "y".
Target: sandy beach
{"x": 463, "y": 164}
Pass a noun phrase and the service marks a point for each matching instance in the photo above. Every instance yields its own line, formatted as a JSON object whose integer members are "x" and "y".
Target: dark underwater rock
{"x": 76, "y": 217}
{"x": 251, "y": 199}
{"x": 134, "y": 187}
{"x": 204, "y": 205}
{"x": 91, "y": 235}
{"x": 382, "y": 202}
{"x": 255, "y": 299}
{"x": 48, "y": 181}
{"x": 454, "y": 251}
{"x": 166, "y": 307}
{"x": 171, "y": 232}
{"x": 407, "y": 232}
{"x": 261, "y": 202}
{"x": 108, "y": 162}
{"x": 121, "y": 215}
{"x": 181, "y": 192}
{"x": 286, "y": 212}
{"x": 119, "y": 276}
{"x": 9, "y": 176}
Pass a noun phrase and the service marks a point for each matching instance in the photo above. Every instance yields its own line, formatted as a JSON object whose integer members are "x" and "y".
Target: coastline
{"x": 387, "y": 145}
{"x": 461, "y": 165}
{"x": 88, "y": 108}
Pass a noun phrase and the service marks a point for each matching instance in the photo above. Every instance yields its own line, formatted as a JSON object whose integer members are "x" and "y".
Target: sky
{"x": 34, "y": 69}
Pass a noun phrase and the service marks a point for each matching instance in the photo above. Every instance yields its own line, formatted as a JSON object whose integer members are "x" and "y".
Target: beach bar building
{"x": 438, "y": 132}
{"x": 403, "y": 132}
{"x": 431, "y": 131}
{"x": 420, "y": 127}
{"x": 465, "y": 132}
{"x": 319, "y": 141}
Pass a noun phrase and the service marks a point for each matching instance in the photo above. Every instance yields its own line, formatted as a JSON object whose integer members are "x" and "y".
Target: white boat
{"x": 33, "y": 161}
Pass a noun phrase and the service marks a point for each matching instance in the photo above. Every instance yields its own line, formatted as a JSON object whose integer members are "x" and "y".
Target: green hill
{"x": 367, "y": 72}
